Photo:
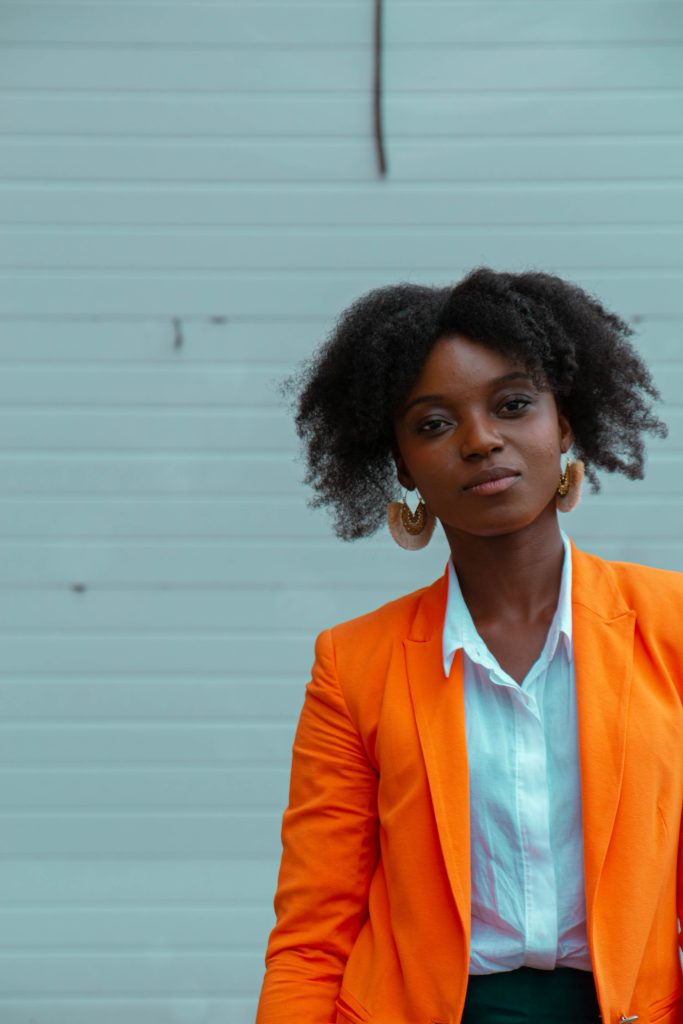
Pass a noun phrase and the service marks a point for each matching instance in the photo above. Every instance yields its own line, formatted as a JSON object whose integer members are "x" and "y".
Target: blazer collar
{"x": 594, "y": 589}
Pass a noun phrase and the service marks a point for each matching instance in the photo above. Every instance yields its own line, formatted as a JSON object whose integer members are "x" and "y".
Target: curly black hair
{"x": 347, "y": 394}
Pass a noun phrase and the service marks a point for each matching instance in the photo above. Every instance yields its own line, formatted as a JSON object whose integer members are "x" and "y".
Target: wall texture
{"x": 188, "y": 197}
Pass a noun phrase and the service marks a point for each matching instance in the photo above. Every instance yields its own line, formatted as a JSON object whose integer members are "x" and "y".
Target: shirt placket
{"x": 533, "y": 817}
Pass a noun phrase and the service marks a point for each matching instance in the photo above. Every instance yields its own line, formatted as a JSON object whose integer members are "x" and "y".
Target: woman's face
{"x": 474, "y": 415}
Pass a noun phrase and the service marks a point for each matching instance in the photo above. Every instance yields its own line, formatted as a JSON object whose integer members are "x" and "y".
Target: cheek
{"x": 545, "y": 462}
{"x": 549, "y": 452}
{"x": 545, "y": 441}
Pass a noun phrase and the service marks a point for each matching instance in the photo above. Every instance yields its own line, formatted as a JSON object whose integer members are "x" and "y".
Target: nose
{"x": 479, "y": 438}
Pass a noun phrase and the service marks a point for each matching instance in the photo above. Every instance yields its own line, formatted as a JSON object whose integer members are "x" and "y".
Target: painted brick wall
{"x": 188, "y": 197}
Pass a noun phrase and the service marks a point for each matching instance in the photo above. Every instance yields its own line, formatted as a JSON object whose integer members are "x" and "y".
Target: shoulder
{"x": 655, "y": 596}
{"x": 353, "y": 658}
{"x": 629, "y": 582}
{"x": 358, "y": 652}
{"x": 641, "y": 585}
{"x": 381, "y": 626}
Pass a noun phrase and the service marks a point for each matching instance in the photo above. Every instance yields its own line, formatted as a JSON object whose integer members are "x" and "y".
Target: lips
{"x": 489, "y": 476}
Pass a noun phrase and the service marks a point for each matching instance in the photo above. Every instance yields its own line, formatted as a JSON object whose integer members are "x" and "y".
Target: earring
{"x": 410, "y": 530}
{"x": 569, "y": 488}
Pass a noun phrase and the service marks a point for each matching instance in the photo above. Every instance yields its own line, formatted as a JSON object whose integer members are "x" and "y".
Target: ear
{"x": 566, "y": 433}
{"x": 404, "y": 477}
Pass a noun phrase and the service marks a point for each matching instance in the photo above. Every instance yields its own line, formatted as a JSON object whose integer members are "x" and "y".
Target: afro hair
{"x": 346, "y": 396}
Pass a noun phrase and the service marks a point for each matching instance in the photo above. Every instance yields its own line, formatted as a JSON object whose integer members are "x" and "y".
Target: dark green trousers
{"x": 530, "y": 996}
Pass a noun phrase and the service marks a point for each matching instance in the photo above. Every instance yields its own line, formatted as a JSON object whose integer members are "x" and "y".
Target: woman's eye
{"x": 516, "y": 404}
{"x": 429, "y": 426}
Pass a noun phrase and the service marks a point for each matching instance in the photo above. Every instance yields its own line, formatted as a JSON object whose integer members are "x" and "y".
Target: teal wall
{"x": 188, "y": 197}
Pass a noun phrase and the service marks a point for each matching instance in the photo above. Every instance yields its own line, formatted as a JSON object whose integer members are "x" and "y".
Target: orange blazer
{"x": 373, "y": 897}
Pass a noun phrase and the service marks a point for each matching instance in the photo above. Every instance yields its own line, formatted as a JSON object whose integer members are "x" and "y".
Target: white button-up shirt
{"x": 528, "y": 892}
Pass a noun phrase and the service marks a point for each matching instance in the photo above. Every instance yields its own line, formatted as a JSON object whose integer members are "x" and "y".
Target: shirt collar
{"x": 459, "y": 630}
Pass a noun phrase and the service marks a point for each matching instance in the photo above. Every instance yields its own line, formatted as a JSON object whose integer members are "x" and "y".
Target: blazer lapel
{"x": 440, "y": 715}
{"x": 604, "y": 629}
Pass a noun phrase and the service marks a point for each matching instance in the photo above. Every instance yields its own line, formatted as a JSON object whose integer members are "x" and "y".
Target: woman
{"x": 484, "y": 821}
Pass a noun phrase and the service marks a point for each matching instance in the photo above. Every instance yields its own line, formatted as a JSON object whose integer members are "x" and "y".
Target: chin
{"x": 500, "y": 522}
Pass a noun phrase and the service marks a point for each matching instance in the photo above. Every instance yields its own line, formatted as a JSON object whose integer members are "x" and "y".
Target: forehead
{"x": 457, "y": 361}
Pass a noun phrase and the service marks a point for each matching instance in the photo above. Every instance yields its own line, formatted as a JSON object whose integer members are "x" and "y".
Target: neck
{"x": 513, "y": 577}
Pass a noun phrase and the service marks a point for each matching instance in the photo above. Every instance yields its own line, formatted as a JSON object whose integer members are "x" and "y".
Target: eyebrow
{"x": 423, "y": 399}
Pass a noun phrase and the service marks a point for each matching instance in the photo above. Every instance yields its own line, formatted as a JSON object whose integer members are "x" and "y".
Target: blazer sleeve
{"x": 329, "y": 852}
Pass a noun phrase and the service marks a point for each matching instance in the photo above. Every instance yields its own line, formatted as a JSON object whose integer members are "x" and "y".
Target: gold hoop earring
{"x": 410, "y": 530}
{"x": 568, "y": 491}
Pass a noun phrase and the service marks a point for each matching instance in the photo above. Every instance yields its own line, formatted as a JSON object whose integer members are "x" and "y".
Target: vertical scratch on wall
{"x": 377, "y": 92}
